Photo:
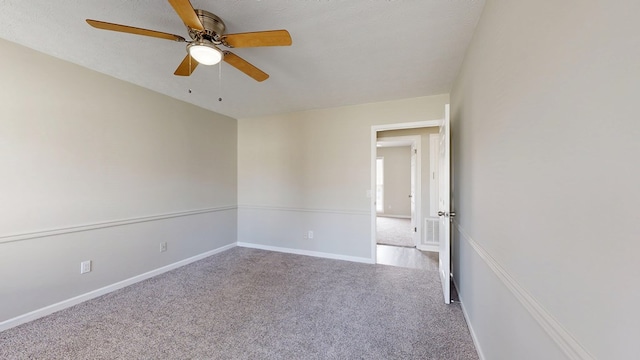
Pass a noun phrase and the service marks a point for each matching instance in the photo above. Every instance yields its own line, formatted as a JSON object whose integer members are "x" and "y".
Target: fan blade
{"x": 133, "y": 30}
{"x": 187, "y": 14}
{"x": 244, "y": 66}
{"x": 186, "y": 67}
{"x": 259, "y": 38}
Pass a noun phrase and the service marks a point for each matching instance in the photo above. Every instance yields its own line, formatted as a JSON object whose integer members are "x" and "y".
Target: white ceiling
{"x": 344, "y": 52}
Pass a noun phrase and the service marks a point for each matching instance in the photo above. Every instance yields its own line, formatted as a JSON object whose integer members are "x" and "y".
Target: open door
{"x": 444, "y": 206}
{"x": 412, "y": 195}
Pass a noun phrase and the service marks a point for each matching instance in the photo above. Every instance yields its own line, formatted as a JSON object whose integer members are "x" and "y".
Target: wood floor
{"x": 406, "y": 257}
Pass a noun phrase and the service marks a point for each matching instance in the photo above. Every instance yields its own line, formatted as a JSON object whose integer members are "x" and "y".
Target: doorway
{"x": 428, "y": 229}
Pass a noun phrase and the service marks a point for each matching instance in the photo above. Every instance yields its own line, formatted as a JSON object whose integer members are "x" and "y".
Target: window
{"x": 380, "y": 185}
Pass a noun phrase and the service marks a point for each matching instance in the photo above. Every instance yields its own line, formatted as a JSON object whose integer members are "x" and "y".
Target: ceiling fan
{"x": 206, "y": 31}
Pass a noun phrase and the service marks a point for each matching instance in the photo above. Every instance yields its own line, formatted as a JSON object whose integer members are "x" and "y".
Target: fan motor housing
{"x": 213, "y": 26}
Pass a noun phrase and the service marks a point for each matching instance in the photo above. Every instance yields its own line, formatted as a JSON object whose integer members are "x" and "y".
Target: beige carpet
{"x": 254, "y": 304}
{"x": 394, "y": 231}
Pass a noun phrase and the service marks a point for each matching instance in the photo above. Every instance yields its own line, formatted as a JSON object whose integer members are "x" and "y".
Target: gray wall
{"x": 93, "y": 168}
{"x": 545, "y": 139}
{"x": 397, "y": 180}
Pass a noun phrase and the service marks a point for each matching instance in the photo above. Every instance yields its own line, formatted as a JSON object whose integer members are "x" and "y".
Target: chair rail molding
{"x": 107, "y": 224}
{"x": 569, "y": 345}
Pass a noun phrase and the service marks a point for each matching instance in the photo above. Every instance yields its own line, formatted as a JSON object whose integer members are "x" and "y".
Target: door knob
{"x": 451, "y": 214}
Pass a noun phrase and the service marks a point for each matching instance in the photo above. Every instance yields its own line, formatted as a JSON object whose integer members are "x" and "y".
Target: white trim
{"x": 47, "y": 310}
{"x": 282, "y": 208}
{"x": 107, "y": 224}
{"x": 379, "y": 174}
{"x": 397, "y": 141}
{"x": 307, "y": 253}
{"x": 569, "y": 345}
{"x": 472, "y": 331}
{"x": 372, "y": 202}
{"x": 409, "y": 125}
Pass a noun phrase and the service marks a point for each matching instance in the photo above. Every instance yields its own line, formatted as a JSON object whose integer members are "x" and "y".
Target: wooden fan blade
{"x": 244, "y": 66}
{"x": 133, "y": 30}
{"x": 187, "y": 14}
{"x": 186, "y": 67}
{"x": 259, "y": 38}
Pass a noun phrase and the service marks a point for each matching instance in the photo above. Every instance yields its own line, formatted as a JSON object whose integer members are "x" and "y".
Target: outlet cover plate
{"x": 85, "y": 267}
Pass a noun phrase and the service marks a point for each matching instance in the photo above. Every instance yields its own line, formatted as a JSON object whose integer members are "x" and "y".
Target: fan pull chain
{"x": 220, "y": 81}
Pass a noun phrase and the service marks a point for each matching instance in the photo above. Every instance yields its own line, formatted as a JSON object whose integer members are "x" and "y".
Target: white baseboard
{"x": 307, "y": 253}
{"x": 47, "y": 310}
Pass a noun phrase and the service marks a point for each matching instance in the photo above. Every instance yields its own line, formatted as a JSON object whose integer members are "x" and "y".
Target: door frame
{"x": 374, "y": 137}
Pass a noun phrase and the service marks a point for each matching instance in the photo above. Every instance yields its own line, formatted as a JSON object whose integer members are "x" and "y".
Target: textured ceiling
{"x": 343, "y": 52}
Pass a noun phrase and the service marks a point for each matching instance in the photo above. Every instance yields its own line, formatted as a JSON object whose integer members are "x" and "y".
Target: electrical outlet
{"x": 163, "y": 246}
{"x": 310, "y": 234}
{"x": 85, "y": 267}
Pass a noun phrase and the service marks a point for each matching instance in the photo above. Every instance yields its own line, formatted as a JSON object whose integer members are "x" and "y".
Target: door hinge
{"x": 415, "y": 151}
{"x": 415, "y": 229}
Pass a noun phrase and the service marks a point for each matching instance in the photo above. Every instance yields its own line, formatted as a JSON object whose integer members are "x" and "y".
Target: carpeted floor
{"x": 394, "y": 231}
{"x": 254, "y": 304}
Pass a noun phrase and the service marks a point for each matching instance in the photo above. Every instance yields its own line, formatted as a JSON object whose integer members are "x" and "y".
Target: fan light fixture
{"x": 207, "y": 31}
{"x": 204, "y": 52}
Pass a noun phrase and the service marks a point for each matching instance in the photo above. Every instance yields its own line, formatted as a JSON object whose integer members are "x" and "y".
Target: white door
{"x": 412, "y": 195}
{"x": 444, "y": 206}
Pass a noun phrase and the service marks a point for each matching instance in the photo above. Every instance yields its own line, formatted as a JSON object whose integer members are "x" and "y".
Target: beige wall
{"x": 545, "y": 136}
{"x": 318, "y": 159}
{"x": 79, "y": 151}
{"x": 397, "y": 180}
{"x": 315, "y": 162}
{"x": 425, "y": 161}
